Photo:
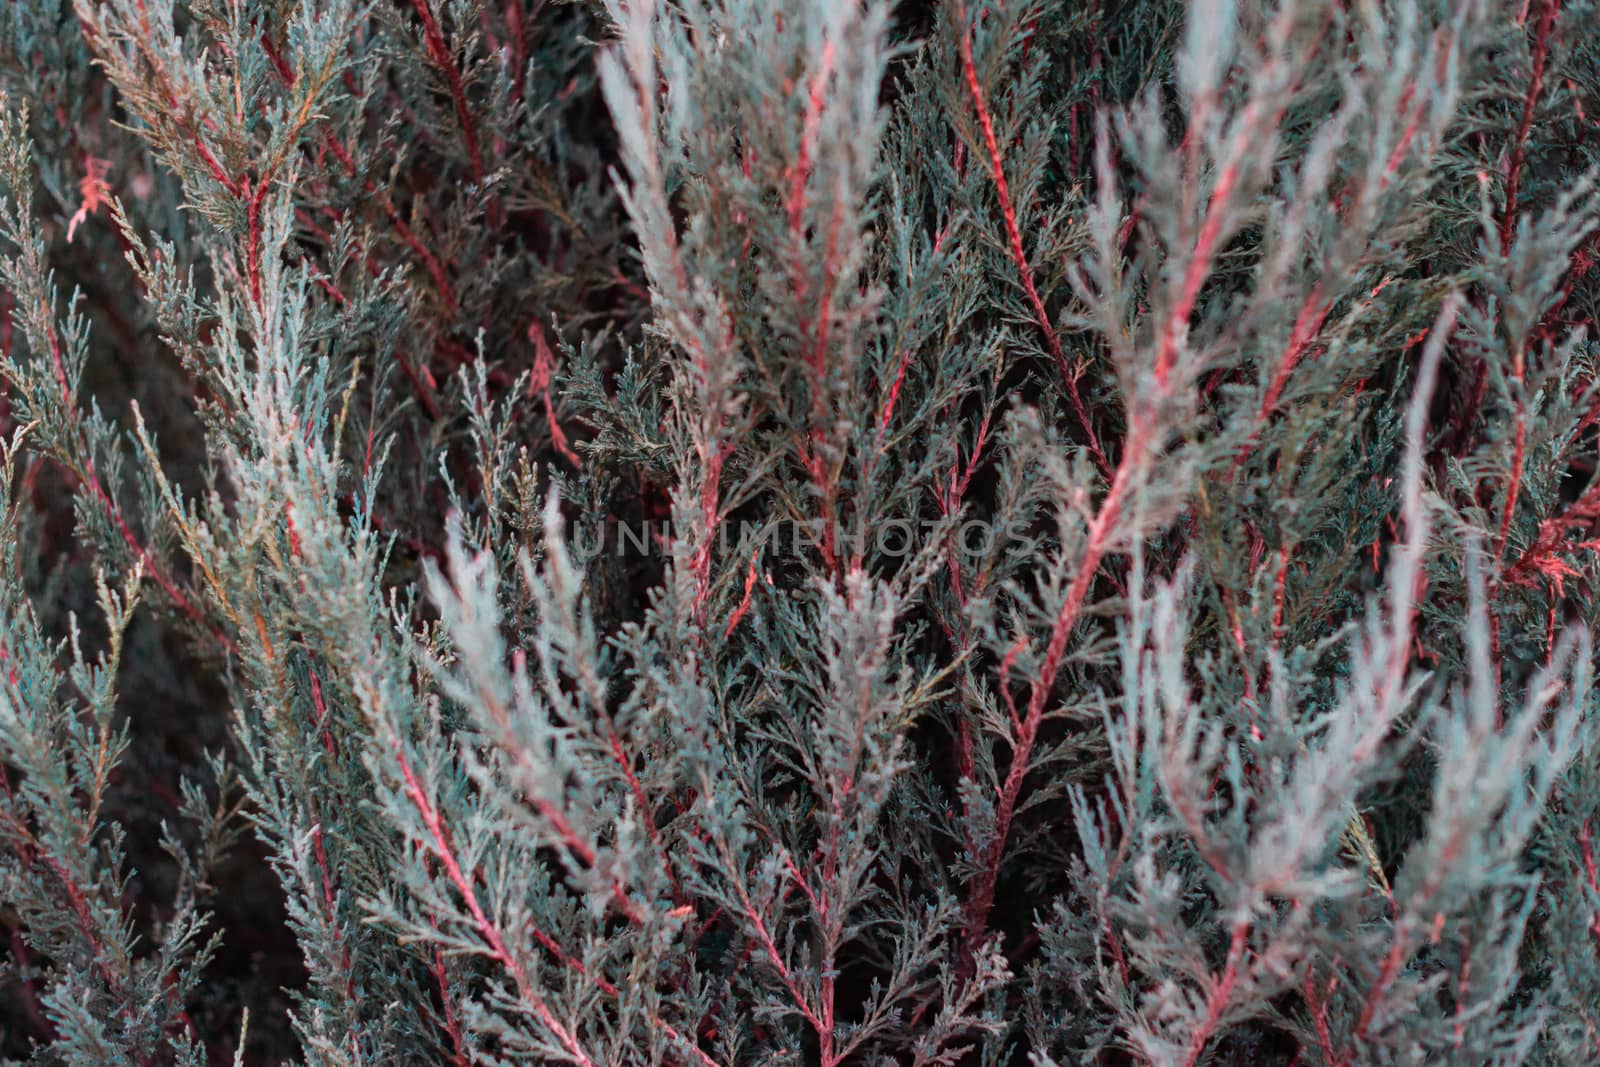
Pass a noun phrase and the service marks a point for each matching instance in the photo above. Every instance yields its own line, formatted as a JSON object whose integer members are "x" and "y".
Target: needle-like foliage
{"x": 722, "y": 532}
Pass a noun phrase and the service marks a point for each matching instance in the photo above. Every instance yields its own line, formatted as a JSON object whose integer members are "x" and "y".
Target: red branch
{"x": 1205, "y": 247}
{"x": 1221, "y": 992}
{"x": 1317, "y": 1003}
{"x": 253, "y": 239}
{"x": 1593, "y": 877}
{"x": 1409, "y": 99}
{"x": 490, "y": 932}
{"x": 817, "y": 360}
{"x": 764, "y": 937}
{"x": 1019, "y": 255}
{"x": 151, "y": 566}
{"x": 31, "y": 1006}
{"x": 1543, "y": 555}
{"x": 430, "y": 262}
{"x": 325, "y": 867}
{"x": 486, "y": 927}
{"x": 744, "y": 603}
{"x": 1519, "y": 148}
{"x": 1391, "y": 967}
{"x": 981, "y": 897}
{"x": 452, "y": 1025}
{"x": 440, "y": 53}
{"x": 1306, "y": 326}
{"x": 1519, "y": 448}
{"x": 30, "y": 849}
{"x": 544, "y": 363}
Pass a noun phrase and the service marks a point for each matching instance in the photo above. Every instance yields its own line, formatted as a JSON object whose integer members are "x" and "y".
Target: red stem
{"x": 1540, "y": 557}
{"x": 253, "y": 239}
{"x": 764, "y": 938}
{"x": 1586, "y": 844}
{"x": 1217, "y": 1002}
{"x": 452, "y": 1025}
{"x": 30, "y": 996}
{"x": 1519, "y": 447}
{"x": 981, "y": 898}
{"x": 544, "y": 362}
{"x": 1391, "y": 967}
{"x": 1019, "y": 255}
{"x": 1541, "y": 53}
{"x": 430, "y": 262}
{"x": 818, "y": 328}
{"x": 1205, "y": 247}
{"x": 440, "y": 53}
{"x": 744, "y": 603}
{"x": 486, "y": 927}
{"x": 1316, "y": 1002}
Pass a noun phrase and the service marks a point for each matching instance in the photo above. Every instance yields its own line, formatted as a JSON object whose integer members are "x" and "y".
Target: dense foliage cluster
{"x": 720, "y": 532}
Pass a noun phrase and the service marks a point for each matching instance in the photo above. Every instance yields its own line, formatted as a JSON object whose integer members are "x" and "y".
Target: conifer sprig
{"x": 725, "y": 532}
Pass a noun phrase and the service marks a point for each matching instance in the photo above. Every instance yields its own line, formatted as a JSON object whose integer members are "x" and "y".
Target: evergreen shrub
{"x": 721, "y": 532}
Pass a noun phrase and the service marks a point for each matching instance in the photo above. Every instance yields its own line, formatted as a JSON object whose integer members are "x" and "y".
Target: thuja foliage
{"x": 714, "y": 532}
